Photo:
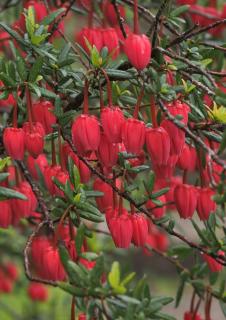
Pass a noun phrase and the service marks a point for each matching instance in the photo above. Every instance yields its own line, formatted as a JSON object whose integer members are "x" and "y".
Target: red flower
{"x": 36, "y": 165}
{"x": 121, "y": 229}
{"x": 138, "y": 50}
{"x": 14, "y": 142}
{"x": 188, "y": 158}
{"x": 37, "y": 292}
{"x": 46, "y": 259}
{"x": 140, "y": 230}
{"x": 185, "y": 197}
{"x": 158, "y": 145}
{"x": 43, "y": 113}
{"x": 177, "y": 137}
{"x": 6, "y": 214}
{"x": 86, "y": 133}
{"x": 213, "y": 265}
{"x": 111, "y": 41}
{"x": 107, "y": 152}
{"x": 11, "y": 271}
{"x": 112, "y": 120}
{"x": 49, "y": 173}
{"x": 110, "y": 14}
{"x": 205, "y": 204}
{"x": 34, "y": 138}
{"x": 93, "y": 36}
{"x": 133, "y": 135}
{"x": 105, "y": 201}
{"x": 82, "y": 316}
{"x": 157, "y": 212}
{"x": 23, "y": 208}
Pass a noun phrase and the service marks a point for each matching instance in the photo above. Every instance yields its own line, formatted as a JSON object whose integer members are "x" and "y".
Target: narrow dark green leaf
{"x": 11, "y": 194}
{"x": 36, "y": 69}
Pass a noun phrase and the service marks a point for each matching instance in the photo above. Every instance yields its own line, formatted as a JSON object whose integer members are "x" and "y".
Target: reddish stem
{"x": 185, "y": 175}
{"x": 53, "y": 152}
{"x": 202, "y": 178}
{"x": 73, "y": 308}
{"x": 62, "y": 163}
{"x": 136, "y": 22}
{"x": 15, "y": 116}
{"x": 86, "y": 98}
{"x": 108, "y": 88}
{"x": 101, "y": 98}
{"x": 132, "y": 208}
{"x": 90, "y": 15}
{"x": 137, "y": 108}
{"x": 29, "y": 106}
{"x": 153, "y": 112}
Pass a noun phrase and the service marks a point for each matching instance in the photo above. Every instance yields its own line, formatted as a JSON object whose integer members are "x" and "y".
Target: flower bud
{"x": 23, "y": 208}
{"x": 43, "y": 113}
{"x": 185, "y": 197}
{"x": 37, "y": 165}
{"x": 205, "y": 204}
{"x": 121, "y": 229}
{"x": 14, "y": 142}
{"x": 158, "y": 145}
{"x": 105, "y": 201}
{"x": 133, "y": 135}
{"x": 213, "y": 265}
{"x": 46, "y": 259}
{"x": 140, "y": 230}
{"x": 6, "y": 214}
{"x": 86, "y": 133}
{"x": 34, "y": 138}
{"x": 188, "y": 158}
{"x": 107, "y": 152}
{"x": 112, "y": 120}
{"x": 138, "y": 50}
{"x": 37, "y": 292}
{"x": 111, "y": 41}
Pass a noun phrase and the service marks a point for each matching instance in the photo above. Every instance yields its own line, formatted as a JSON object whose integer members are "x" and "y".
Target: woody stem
{"x": 86, "y": 98}
{"x": 153, "y": 112}
{"x": 137, "y": 108}
{"x": 136, "y": 22}
{"x": 108, "y": 87}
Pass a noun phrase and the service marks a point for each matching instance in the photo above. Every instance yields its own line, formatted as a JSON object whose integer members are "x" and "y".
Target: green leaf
{"x": 3, "y": 176}
{"x": 114, "y": 275}
{"x": 223, "y": 143}
{"x": 11, "y": 194}
{"x": 80, "y": 238}
{"x": 128, "y": 299}
{"x": 90, "y": 256}
{"x": 21, "y": 68}
{"x": 30, "y": 21}
{"x": 178, "y": 11}
{"x": 128, "y": 278}
{"x": 97, "y": 272}
{"x": 223, "y": 307}
{"x": 119, "y": 74}
{"x": 4, "y": 162}
{"x": 14, "y": 34}
{"x": 159, "y": 193}
{"x": 77, "y": 292}
{"x": 36, "y": 69}
{"x": 183, "y": 278}
{"x": 51, "y": 17}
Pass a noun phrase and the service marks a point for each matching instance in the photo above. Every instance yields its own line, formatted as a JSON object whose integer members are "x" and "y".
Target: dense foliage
{"x": 113, "y": 136}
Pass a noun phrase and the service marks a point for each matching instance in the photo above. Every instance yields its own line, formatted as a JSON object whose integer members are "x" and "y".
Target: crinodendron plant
{"x": 113, "y": 139}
